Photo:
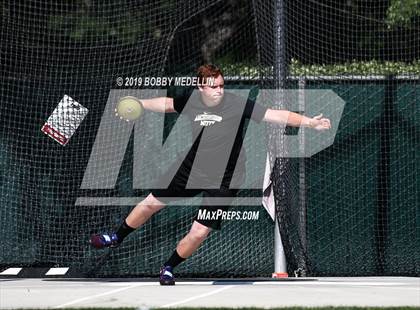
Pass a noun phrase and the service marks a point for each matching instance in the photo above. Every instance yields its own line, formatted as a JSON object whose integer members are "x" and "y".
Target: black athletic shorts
{"x": 177, "y": 191}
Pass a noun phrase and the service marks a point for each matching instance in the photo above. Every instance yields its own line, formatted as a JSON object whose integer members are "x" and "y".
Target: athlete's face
{"x": 213, "y": 94}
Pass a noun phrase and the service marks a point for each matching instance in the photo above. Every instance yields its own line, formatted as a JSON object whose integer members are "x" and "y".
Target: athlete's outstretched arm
{"x": 285, "y": 117}
{"x": 159, "y": 104}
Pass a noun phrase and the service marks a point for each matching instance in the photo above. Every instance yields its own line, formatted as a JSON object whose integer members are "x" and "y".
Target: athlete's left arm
{"x": 285, "y": 117}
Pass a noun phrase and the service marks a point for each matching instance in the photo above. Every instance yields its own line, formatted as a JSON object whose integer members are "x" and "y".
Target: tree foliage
{"x": 403, "y": 12}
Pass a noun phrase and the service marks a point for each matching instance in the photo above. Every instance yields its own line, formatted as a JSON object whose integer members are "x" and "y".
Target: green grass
{"x": 253, "y": 308}
{"x": 309, "y": 308}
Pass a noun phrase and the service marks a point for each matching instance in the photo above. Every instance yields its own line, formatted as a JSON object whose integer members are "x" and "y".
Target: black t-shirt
{"x": 218, "y": 133}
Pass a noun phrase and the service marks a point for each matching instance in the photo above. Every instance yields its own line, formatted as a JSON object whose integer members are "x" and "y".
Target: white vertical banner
{"x": 268, "y": 194}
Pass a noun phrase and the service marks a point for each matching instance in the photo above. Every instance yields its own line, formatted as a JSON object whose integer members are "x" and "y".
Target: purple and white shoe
{"x": 166, "y": 276}
{"x": 101, "y": 241}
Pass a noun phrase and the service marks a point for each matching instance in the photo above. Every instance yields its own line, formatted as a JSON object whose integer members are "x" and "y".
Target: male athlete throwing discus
{"x": 213, "y": 115}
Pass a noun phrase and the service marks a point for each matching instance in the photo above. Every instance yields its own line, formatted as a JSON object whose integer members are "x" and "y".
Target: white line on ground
{"x": 10, "y": 272}
{"x": 57, "y": 271}
{"x": 157, "y": 283}
{"x": 99, "y": 295}
{"x": 197, "y": 297}
{"x": 319, "y": 283}
{"x": 287, "y": 283}
{"x": 195, "y": 283}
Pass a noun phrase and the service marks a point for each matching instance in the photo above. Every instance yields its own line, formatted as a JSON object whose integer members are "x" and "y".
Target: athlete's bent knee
{"x": 199, "y": 231}
{"x": 151, "y": 204}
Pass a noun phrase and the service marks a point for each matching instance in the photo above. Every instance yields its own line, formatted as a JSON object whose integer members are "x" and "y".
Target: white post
{"x": 280, "y": 72}
{"x": 280, "y": 265}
